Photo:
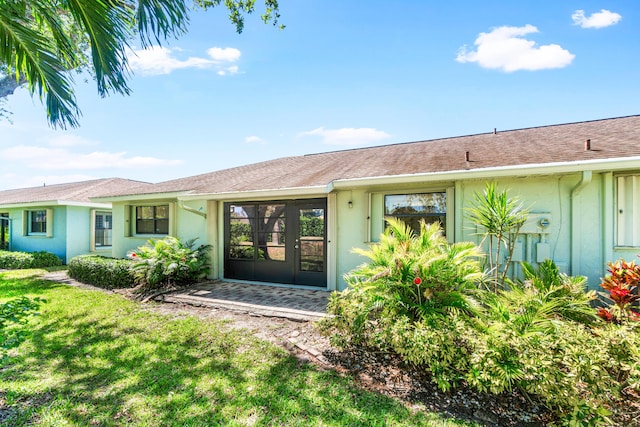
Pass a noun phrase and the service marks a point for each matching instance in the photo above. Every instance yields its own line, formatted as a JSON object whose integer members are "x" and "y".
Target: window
{"x": 152, "y": 219}
{"x": 411, "y": 208}
{"x": 256, "y": 231}
{"x": 103, "y": 230}
{"x": 4, "y": 231}
{"x": 38, "y": 222}
{"x": 628, "y": 210}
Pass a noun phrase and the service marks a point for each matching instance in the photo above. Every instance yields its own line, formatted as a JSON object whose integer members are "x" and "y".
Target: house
{"x": 295, "y": 220}
{"x": 59, "y": 218}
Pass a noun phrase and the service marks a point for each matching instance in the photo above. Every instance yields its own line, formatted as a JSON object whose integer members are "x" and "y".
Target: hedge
{"x": 11, "y": 260}
{"x": 107, "y": 273}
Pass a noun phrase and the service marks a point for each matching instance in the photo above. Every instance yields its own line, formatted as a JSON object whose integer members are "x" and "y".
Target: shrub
{"x": 11, "y": 260}
{"x": 412, "y": 276}
{"x": 424, "y": 299}
{"x": 621, "y": 285}
{"x": 108, "y": 273}
{"x": 169, "y": 262}
{"x": 501, "y": 219}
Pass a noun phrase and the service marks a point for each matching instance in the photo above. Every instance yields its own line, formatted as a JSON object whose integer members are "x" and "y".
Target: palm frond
{"x": 34, "y": 57}
{"x": 159, "y": 20}
{"x": 108, "y": 25}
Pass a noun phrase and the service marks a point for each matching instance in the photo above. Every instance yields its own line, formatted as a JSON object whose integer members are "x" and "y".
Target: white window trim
{"x": 630, "y": 211}
{"x": 92, "y": 229}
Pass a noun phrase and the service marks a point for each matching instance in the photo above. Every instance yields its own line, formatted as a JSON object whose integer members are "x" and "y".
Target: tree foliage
{"x": 42, "y": 40}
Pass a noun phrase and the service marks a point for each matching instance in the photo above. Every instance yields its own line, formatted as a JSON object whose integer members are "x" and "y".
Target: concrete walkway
{"x": 263, "y": 300}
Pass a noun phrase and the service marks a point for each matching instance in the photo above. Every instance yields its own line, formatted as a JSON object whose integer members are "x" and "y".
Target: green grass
{"x": 97, "y": 359}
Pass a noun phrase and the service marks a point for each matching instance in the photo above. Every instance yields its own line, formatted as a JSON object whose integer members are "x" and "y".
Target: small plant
{"x": 621, "y": 285}
{"x": 169, "y": 262}
{"x": 501, "y": 219}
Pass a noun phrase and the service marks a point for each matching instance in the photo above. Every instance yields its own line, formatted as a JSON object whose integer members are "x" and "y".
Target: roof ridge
{"x": 469, "y": 135}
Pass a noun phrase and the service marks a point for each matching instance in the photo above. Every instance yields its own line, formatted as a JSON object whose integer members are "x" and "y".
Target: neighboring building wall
{"x": 55, "y": 244}
{"x": 78, "y": 225}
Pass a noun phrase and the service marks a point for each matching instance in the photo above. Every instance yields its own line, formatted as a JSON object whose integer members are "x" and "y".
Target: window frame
{"x": 95, "y": 213}
{"x": 441, "y": 216}
{"x": 28, "y": 222}
{"x": 154, "y": 219}
{"x": 627, "y": 210}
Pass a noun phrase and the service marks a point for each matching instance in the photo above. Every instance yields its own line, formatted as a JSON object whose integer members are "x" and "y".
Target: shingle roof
{"x": 78, "y": 192}
{"x": 609, "y": 138}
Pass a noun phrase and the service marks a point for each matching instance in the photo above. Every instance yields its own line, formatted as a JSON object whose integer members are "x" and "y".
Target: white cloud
{"x": 604, "y": 18}
{"x": 347, "y": 136}
{"x": 61, "y": 158}
{"x": 228, "y": 70}
{"x": 226, "y": 54}
{"x": 70, "y": 140}
{"x": 254, "y": 140}
{"x": 504, "y": 48}
{"x": 159, "y": 60}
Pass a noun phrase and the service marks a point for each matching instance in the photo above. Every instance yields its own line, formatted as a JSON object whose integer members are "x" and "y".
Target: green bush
{"x": 424, "y": 299}
{"x": 11, "y": 260}
{"x": 107, "y": 273}
{"x": 169, "y": 262}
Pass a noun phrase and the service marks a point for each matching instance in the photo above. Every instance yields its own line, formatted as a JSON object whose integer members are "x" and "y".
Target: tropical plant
{"x": 41, "y": 40}
{"x": 622, "y": 285}
{"x": 420, "y": 273}
{"x": 568, "y": 293}
{"x": 416, "y": 277}
{"x": 500, "y": 219}
{"x": 169, "y": 262}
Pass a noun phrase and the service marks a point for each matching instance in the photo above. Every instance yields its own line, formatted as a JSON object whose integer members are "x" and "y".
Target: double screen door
{"x": 278, "y": 242}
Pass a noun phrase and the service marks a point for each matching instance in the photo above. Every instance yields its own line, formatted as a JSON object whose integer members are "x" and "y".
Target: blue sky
{"x": 342, "y": 74}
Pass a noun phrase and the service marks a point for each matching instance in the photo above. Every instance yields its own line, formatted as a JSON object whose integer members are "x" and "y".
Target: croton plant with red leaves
{"x": 621, "y": 285}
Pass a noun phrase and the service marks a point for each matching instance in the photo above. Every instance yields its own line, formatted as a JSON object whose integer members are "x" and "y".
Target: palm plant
{"x": 42, "y": 40}
{"x": 500, "y": 218}
{"x": 419, "y": 273}
{"x": 169, "y": 262}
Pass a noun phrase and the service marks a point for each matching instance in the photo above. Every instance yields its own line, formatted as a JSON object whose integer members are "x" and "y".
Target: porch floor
{"x": 264, "y": 300}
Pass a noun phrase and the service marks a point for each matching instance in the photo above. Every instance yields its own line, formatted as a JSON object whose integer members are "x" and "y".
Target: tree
{"x": 41, "y": 41}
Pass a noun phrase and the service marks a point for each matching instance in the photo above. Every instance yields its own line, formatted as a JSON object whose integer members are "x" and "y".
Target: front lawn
{"x": 98, "y": 359}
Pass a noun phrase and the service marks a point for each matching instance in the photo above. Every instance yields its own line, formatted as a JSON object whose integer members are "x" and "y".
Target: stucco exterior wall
{"x": 578, "y": 231}
{"x": 183, "y": 224}
{"x": 574, "y": 237}
{"x": 56, "y": 243}
{"x": 78, "y": 225}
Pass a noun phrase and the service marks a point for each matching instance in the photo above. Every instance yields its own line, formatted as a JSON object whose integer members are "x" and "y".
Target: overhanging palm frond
{"x": 33, "y": 56}
{"x": 109, "y": 27}
{"x": 158, "y": 20}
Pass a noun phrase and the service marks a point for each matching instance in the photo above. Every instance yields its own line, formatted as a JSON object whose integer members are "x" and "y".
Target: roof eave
{"x": 144, "y": 196}
{"x": 317, "y": 190}
{"x": 613, "y": 165}
{"x": 55, "y": 203}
